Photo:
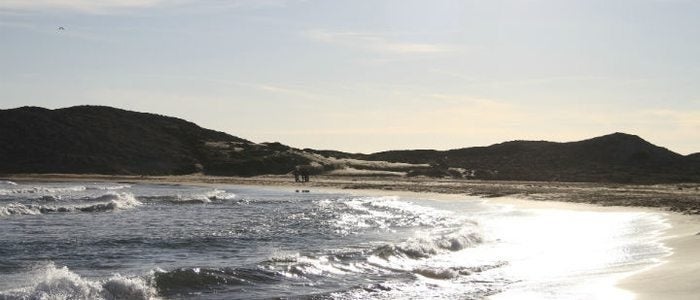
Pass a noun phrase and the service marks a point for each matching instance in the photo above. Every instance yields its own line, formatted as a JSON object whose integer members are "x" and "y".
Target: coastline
{"x": 678, "y": 275}
{"x": 675, "y": 277}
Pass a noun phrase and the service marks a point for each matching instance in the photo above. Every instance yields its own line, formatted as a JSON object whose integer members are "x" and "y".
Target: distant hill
{"x": 105, "y": 140}
{"x": 694, "y": 156}
{"x": 617, "y": 157}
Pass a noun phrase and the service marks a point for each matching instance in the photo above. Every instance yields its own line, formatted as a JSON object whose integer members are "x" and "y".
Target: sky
{"x": 368, "y": 75}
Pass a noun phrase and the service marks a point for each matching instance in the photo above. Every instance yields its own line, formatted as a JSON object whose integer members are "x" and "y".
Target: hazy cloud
{"x": 77, "y": 5}
{"x": 110, "y": 6}
{"x": 374, "y": 42}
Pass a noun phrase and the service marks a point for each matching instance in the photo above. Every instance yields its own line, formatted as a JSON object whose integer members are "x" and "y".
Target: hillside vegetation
{"x": 105, "y": 140}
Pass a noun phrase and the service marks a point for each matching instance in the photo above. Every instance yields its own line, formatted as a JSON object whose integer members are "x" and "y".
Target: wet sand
{"x": 676, "y": 277}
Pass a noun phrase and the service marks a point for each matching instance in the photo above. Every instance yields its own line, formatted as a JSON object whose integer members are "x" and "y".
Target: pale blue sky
{"x": 368, "y": 75}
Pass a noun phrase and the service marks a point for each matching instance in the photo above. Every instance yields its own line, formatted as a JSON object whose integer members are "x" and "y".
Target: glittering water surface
{"x": 139, "y": 241}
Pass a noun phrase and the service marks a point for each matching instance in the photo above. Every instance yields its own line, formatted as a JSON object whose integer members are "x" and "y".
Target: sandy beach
{"x": 675, "y": 277}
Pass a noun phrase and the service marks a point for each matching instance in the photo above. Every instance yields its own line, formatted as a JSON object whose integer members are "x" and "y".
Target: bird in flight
{"x": 61, "y": 28}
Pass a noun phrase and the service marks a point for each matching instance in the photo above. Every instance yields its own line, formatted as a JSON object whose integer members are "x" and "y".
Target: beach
{"x": 674, "y": 276}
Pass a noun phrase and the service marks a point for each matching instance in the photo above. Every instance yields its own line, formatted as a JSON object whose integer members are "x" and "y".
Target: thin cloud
{"x": 296, "y": 92}
{"x": 112, "y": 6}
{"x": 88, "y": 6}
{"x": 72, "y": 32}
{"x": 374, "y": 42}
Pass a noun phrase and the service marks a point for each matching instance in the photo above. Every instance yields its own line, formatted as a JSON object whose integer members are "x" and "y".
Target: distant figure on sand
{"x": 304, "y": 176}
{"x": 296, "y": 175}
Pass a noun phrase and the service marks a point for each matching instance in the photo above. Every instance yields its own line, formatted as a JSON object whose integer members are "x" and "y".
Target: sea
{"x": 111, "y": 240}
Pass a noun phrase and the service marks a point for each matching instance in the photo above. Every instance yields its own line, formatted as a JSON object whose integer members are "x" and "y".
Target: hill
{"x": 105, "y": 140}
{"x": 617, "y": 157}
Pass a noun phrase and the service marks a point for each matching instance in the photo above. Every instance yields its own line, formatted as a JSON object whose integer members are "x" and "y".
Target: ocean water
{"x": 84, "y": 240}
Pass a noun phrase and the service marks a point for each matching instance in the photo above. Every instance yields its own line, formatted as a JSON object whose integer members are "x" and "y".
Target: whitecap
{"x": 51, "y": 282}
{"x": 417, "y": 248}
{"x": 115, "y": 201}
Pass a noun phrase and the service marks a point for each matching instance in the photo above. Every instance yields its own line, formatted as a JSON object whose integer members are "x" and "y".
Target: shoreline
{"x": 681, "y": 197}
{"x": 675, "y": 277}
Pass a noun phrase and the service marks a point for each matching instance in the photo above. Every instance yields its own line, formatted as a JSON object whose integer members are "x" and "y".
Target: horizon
{"x": 386, "y": 150}
{"x": 368, "y": 76}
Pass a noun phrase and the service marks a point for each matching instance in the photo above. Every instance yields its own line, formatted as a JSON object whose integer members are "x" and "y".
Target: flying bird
{"x": 61, "y": 28}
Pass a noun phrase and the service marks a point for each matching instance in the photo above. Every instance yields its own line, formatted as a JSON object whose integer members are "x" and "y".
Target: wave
{"x": 42, "y": 189}
{"x": 382, "y": 259}
{"x": 109, "y": 187}
{"x": 172, "y": 282}
{"x": 423, "y": 248}
{"x": 115, "y": 201}
{"x": 438, "y": 273}
{"x": 452, "y": 272}
{"x": 207, "y": 197}
{"x": 51, "y": 282}
{"x": 56, "y": 190}
{"x": 384, "y": 212}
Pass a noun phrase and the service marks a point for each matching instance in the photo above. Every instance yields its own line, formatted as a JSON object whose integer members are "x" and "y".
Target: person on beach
{"x": 296, "y": 175}
{"x": 304, "y": 176}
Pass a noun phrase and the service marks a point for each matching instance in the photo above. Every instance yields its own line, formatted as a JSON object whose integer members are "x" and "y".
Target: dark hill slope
{"x": 105, "y": 140}
{"x": 616, "y": 157}
{"x": 694, "y": 156}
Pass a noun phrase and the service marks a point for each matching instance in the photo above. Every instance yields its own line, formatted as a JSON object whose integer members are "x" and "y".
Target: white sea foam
{"x": 305, "y": 266}
{"x": 7, "y": 182}
{"x": 109, "y": 187}
{"x": 114, "y": 201}
{"x": 42, "y": 190}
{"x": 424, "y": 247}
{"x": 51, "y": 282}
{"x": 384, "y": 213}
{"x": 19, "y": 209}
{"x": 122, "y": 200}
{"x": 437, "y": 273}
{"x": 206, "y": 197}
{"x": 219, "y": 195}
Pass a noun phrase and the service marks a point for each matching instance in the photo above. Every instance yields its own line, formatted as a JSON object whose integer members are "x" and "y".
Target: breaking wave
{"x": 16, "y": 189}
{"x": 452, "y": 272}
{"x": 208, "y": 197}
{"x": 109, "y": 187}
{"x": 114, "y": 201}
{"x": 387, "y": 212}
{"x": 425, "y": 247}
{"x": 42, "y": 189}
{"x": 51, "y": 282}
